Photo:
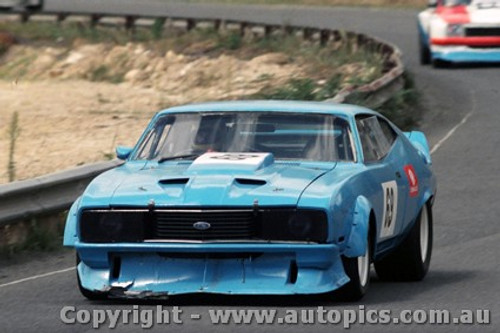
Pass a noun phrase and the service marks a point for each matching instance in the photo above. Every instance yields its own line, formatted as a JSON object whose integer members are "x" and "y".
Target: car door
{"x": 382, "y": 149}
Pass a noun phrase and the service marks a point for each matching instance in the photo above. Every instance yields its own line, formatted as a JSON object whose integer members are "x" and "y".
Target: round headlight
{"x": 111, "y": 224}
{"x": 300, "y": 225}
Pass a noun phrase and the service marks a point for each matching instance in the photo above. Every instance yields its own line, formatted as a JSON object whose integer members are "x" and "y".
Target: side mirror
{"x": 123, "y": 152}
{"x": 432, "y": 3}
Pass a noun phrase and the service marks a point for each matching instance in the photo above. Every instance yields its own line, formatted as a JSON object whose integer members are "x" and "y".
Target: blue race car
{"x": 257, "y": 197}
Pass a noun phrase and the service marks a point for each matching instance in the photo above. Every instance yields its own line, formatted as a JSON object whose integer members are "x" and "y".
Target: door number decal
{"x": 390, "y": 208}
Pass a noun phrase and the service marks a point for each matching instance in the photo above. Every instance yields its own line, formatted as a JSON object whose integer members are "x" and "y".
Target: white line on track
{"x": 34, "y": 277}
{"x": 456, "y": 127}
{"x": 450, "y": 133}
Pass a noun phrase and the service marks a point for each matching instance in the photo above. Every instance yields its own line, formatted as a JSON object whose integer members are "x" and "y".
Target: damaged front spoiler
{"x": 159, "y": 270}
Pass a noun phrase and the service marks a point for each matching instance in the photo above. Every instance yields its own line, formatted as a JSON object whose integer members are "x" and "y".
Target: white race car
{"x": 20, "y": 4}
{"x": 460, "y": 31}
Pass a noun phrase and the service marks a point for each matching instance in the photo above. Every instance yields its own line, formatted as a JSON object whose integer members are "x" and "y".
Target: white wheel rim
{"x": 364, "y": 267}
{"x": 424, "y": 234}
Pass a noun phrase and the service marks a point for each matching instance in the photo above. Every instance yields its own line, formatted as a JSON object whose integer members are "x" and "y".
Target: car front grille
{"x": 200, "y": 225}
{"x": 482, "y": 32}
{"x": 228, "y": 225}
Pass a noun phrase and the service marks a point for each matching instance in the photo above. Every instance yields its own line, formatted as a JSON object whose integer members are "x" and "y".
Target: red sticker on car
{"x": 412, "y": 179}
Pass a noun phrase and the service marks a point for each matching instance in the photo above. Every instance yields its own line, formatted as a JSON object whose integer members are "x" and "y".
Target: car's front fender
{"x": 70, "y": 231}
{"x": 357, "y": 241}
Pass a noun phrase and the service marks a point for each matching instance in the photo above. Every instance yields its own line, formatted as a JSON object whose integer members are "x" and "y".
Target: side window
{"x": 389, "y": 133}
{"x": 377, "y": 137}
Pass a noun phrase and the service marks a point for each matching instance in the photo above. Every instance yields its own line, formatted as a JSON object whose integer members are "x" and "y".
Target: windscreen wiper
{"x": 178, "y": 157}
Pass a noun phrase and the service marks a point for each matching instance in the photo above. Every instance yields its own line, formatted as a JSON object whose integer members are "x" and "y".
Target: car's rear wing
{"x": 419, "y": 141}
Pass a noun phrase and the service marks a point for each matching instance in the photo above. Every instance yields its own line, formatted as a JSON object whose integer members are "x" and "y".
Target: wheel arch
{"x": 428, "y": 197}
{"x": 363, "y": 221}
{"x": 70, "y": 229}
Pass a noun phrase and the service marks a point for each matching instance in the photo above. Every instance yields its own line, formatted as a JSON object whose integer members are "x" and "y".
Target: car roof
{"x": 272, "y": 106}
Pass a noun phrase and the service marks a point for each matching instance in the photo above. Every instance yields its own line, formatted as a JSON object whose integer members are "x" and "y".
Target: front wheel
{"x": 411, "y": 259}
{"x": 358, "y": 271}
{"x": 425, "y": 52}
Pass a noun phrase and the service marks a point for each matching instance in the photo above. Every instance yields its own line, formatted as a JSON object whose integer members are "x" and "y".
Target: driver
{"x": 210, "y": 135}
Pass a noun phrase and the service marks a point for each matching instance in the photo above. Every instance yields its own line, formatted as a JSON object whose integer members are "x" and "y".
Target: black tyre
{"x": 358, "y": 271}
{"x": 437, "y": 63}
{"x": 410, "y": 260}
{"x": 91, "y": 295}
{"x": 425, "y": 52}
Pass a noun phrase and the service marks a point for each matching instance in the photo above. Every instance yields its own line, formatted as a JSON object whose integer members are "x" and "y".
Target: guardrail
{"x": 54, "y": 193}
{"x": 48, "y": 194}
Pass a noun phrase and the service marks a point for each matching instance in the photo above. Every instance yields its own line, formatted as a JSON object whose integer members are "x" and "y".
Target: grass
{"x": 3, "y": 49}
{"x": 360, "y": 3}
{"x": 404, "y": 108}
{"x": 67, "y": 32}
{"x": 326, "y": 61}
{"x": 17, "y": 68}
{"x": 104, "y": 73}
{"x": 320, "y": 63}
{"x": 14, "y": 132}
{"x": 39, "y": 237}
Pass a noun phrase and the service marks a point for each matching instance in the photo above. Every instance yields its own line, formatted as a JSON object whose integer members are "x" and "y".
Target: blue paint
{"x": 348, "y": 192}
{"x": 468, "y": 55}
{"x": 123, "y": 152}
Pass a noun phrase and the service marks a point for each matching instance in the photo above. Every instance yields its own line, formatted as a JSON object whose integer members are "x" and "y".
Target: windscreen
{"x": 290, "y": 136}
{"x": 452, "y": 3}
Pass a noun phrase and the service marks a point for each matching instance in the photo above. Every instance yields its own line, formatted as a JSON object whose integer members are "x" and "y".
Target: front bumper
{"x": 466, "y": 54}
{"x": 157, "y": 269}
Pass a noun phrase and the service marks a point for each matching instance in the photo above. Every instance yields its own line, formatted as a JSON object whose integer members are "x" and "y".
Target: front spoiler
{"x": 248, "y": 269}
{"x": 465, "y": 54}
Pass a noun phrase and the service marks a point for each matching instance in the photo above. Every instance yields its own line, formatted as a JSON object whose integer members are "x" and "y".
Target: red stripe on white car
{"x": 468, "y": 41}
{"x": 454, "y": 15}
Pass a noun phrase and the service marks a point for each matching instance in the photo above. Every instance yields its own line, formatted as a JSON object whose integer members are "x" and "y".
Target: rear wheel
{"x": 358, "y": 271}
{"x": 91, "y": 295}
{"x": 410, "y": 261}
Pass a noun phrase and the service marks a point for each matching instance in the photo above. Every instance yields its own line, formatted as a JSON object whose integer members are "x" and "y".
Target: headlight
{"x": 101, "y": 226}
{"x": 294, "y": 225}
{"x": 300, "y": 225}
{"x": 455, "y": 30}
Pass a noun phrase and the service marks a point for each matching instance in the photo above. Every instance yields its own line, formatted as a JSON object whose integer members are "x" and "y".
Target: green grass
{"x": 69, "y": 31}
{"x": 14, "y": 131}
{"x": 39, "y": 237}
{"x": 404, "y": 108}
{"x": 322, "y": 64}
{"x": 301, "y": 89}
{"x": 16, "y": 68}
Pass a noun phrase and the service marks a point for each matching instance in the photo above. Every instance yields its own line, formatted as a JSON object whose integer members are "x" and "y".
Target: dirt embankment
{"x": 66, "y": 119}
{"x": 76, "y": 102}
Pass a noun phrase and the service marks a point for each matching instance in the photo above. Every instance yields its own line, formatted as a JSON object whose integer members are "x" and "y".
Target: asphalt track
{"x": 462, "y": 122}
